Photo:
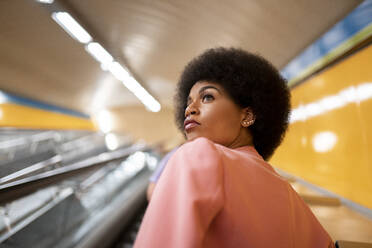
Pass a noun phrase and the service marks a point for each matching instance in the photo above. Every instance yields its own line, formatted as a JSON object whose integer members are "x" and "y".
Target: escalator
{"x": 88, "y": 202}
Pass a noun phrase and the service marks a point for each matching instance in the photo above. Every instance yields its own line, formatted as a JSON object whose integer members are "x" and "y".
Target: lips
{"x": 189, "y": 124}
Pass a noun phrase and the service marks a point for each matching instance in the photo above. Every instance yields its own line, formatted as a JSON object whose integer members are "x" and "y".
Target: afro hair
{"x": 251, "y": 81}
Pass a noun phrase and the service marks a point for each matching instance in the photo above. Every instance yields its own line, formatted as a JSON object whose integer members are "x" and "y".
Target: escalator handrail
{"x": 29, "y": 169}
{"x": 24, "y": 186}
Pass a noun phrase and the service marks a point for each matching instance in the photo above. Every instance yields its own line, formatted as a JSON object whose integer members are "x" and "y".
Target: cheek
{"x": 223, "y": 122}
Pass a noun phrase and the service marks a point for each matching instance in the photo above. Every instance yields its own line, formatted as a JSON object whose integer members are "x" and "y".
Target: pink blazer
{"x": 213, "y": 196}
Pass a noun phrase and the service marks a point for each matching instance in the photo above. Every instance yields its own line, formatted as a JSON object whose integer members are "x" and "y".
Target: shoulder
{"x": 200, "y": 149}
{"x": 197, "y": 156}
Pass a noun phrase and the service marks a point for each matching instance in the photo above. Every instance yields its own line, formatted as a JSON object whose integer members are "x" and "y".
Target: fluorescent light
{"x": 131, "y": 83}
{"x": 118, "y": 71}
{"x": 72, "y": 27}
{"x": 46, "y": 1}
{"x": 147, "y": 99}
{"x": 99, "y": 53}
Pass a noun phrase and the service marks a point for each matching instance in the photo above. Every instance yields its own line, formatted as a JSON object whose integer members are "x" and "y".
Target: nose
{"x": 191, "y": 110}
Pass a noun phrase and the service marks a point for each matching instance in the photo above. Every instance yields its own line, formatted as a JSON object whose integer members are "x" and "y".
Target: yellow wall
{"x": 18, "y": 116}
{"x": 346, "y": 168}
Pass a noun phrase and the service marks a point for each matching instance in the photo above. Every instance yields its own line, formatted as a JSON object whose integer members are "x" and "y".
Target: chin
{"x": 192, "y": 136}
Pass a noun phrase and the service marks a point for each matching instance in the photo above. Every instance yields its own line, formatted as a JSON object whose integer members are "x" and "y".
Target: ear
{"x": 247, "y": 114}
{"x": 247, "y": 117}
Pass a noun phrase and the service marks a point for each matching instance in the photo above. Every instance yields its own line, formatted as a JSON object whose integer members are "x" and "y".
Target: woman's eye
{"x": 207, "y": 98}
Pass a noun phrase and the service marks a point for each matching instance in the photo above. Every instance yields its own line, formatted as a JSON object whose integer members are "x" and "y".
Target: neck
{"x": 244, "y": 138}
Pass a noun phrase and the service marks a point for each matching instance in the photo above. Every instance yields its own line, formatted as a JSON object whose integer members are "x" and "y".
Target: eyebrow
{"x": 205, "y": 88}
{"x": 208, "y": 87}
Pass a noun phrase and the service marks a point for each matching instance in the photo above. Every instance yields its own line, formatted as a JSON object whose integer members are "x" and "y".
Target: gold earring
{"x": 247, "y": 123}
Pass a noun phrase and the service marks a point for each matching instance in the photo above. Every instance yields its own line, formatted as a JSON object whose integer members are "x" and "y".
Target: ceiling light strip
{"x": 121, "y": 74}
{"x": 72, "y": 27}
{"x": 100, "y": 54}
{"x": 46, "y": 1}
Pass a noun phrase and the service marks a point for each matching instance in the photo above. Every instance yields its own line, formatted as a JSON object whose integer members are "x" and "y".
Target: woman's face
{"x": 212, "y": 114}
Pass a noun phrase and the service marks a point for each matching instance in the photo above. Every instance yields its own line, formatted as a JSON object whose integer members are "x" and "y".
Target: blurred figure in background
{"x": 159, "y": 169}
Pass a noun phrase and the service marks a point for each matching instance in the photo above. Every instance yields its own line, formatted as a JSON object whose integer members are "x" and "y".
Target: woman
{"x": 217, "y": 190}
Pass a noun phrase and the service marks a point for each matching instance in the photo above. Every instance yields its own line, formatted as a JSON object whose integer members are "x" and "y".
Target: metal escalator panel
{"x": 85, "y": 210}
